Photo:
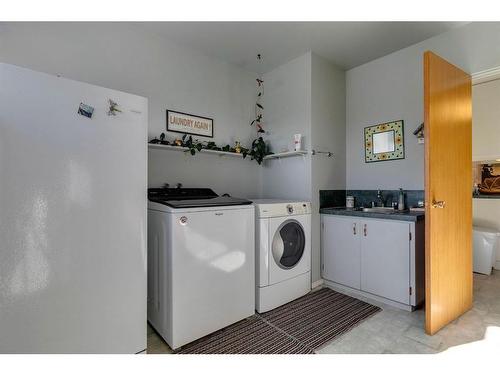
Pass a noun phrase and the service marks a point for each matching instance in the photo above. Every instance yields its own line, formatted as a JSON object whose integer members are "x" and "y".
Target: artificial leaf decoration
{"x": 259, "y": 108}
{"x": 212, "y": 146}
{"x": 258, "y": 150}
{"x": 161, "y": 140}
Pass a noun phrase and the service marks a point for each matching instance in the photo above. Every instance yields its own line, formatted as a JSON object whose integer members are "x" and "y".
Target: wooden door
{"x": 385, "y": 259}
{"x": 341, "y": 250}
{"x": 448, "y": 191}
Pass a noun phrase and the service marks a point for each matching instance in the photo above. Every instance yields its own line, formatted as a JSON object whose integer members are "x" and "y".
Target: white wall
{"x": 307, "y": 96}
{"x": 122, "y": 57}
{"x": 391, "y": 88}
{"x": 486, "y": 146}
{"x": 327, "y": 134}
{"x": 486, "y": 121}
{"x": 303, "y": 96}
{"x": 287, "y": 111}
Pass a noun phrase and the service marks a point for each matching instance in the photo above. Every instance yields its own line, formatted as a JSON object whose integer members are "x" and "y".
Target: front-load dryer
{"x": 283, "y": 252}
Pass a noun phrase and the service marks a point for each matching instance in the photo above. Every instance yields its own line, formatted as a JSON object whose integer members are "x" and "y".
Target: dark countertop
{"x": 396, "y": 215}
{"x": 486, "y": 196}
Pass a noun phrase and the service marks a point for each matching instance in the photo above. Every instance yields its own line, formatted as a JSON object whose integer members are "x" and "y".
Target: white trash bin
{"x": 485, "y": 243}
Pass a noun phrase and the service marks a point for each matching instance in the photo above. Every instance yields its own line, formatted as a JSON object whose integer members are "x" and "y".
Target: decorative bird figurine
{"x": 112, "y": 108}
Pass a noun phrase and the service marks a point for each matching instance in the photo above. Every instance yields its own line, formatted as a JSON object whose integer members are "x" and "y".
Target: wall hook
{"x": 327, "y": 153}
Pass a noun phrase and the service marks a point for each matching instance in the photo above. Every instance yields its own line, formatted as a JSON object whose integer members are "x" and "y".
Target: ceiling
{"x": 347, "y": 44}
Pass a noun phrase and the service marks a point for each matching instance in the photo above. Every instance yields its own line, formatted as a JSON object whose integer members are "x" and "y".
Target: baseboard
{"x": 367, "y": 297}
{"x": 317, "y": 283}
{"x": 497, "y": 265}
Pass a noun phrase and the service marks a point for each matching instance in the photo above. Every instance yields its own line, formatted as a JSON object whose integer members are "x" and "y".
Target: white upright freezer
{"x": 72, "y": 216}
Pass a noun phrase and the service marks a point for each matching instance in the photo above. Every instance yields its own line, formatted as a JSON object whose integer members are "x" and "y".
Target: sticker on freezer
{"x": 85, "y": 110}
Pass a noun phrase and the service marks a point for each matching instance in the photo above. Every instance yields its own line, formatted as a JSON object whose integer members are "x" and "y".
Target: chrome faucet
{"x": 380, "y": 198}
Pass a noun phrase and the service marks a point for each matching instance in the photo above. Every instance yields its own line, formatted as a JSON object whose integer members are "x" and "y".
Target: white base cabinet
{"x": 383, "y": 258}
{"x": 341, "y": 251}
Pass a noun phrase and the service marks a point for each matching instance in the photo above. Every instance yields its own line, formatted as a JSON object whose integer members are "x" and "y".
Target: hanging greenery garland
{"x": 257, "y": 151}
{"x": 259, "y": 108}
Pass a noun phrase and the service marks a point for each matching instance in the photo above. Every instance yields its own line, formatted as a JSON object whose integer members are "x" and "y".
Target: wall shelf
{"x": 156, "y": 146}
{"x": 285, "y": 154}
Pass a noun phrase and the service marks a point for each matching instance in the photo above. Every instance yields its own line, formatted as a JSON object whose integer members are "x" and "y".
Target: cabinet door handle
{"x": 354, "y": 229}
{"x": 365, "y": 230}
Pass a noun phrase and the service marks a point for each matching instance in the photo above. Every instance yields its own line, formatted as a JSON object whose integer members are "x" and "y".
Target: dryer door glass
{"x": 288, "y": 244}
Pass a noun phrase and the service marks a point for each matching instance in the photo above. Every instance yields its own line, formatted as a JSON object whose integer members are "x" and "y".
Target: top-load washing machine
{"x": 201, "y": 270}
{"x": 283, "y": 252}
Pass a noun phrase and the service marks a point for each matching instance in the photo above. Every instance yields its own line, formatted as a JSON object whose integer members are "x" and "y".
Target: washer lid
{"x": 209, "y": 202}
{"x": 192, "y": 197}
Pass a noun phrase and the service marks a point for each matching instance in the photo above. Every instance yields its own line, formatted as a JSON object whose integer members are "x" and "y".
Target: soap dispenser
{"x": 401, "y": 200}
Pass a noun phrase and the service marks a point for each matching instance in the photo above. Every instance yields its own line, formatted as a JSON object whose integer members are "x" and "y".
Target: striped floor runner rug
{"x": 299, "y": 327}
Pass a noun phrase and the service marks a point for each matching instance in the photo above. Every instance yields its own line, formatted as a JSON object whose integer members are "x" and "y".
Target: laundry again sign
{"x": 189, "y": 124}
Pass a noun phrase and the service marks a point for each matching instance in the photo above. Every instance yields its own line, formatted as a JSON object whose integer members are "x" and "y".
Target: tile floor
{"x": 156, "y": 345}
{"x": 396, "y": 331}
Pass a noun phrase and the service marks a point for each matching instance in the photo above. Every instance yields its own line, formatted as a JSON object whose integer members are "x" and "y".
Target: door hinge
{"x": 410, "y": 236}
{"x": 411, "y": 290}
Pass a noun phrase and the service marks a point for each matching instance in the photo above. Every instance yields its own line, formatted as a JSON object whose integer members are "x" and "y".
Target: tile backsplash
{"x": 363, "y": 198}
{"x": 332, "y": 198}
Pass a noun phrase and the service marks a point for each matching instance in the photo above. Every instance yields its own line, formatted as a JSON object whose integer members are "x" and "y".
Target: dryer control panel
{"x": 277, "y": 209}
